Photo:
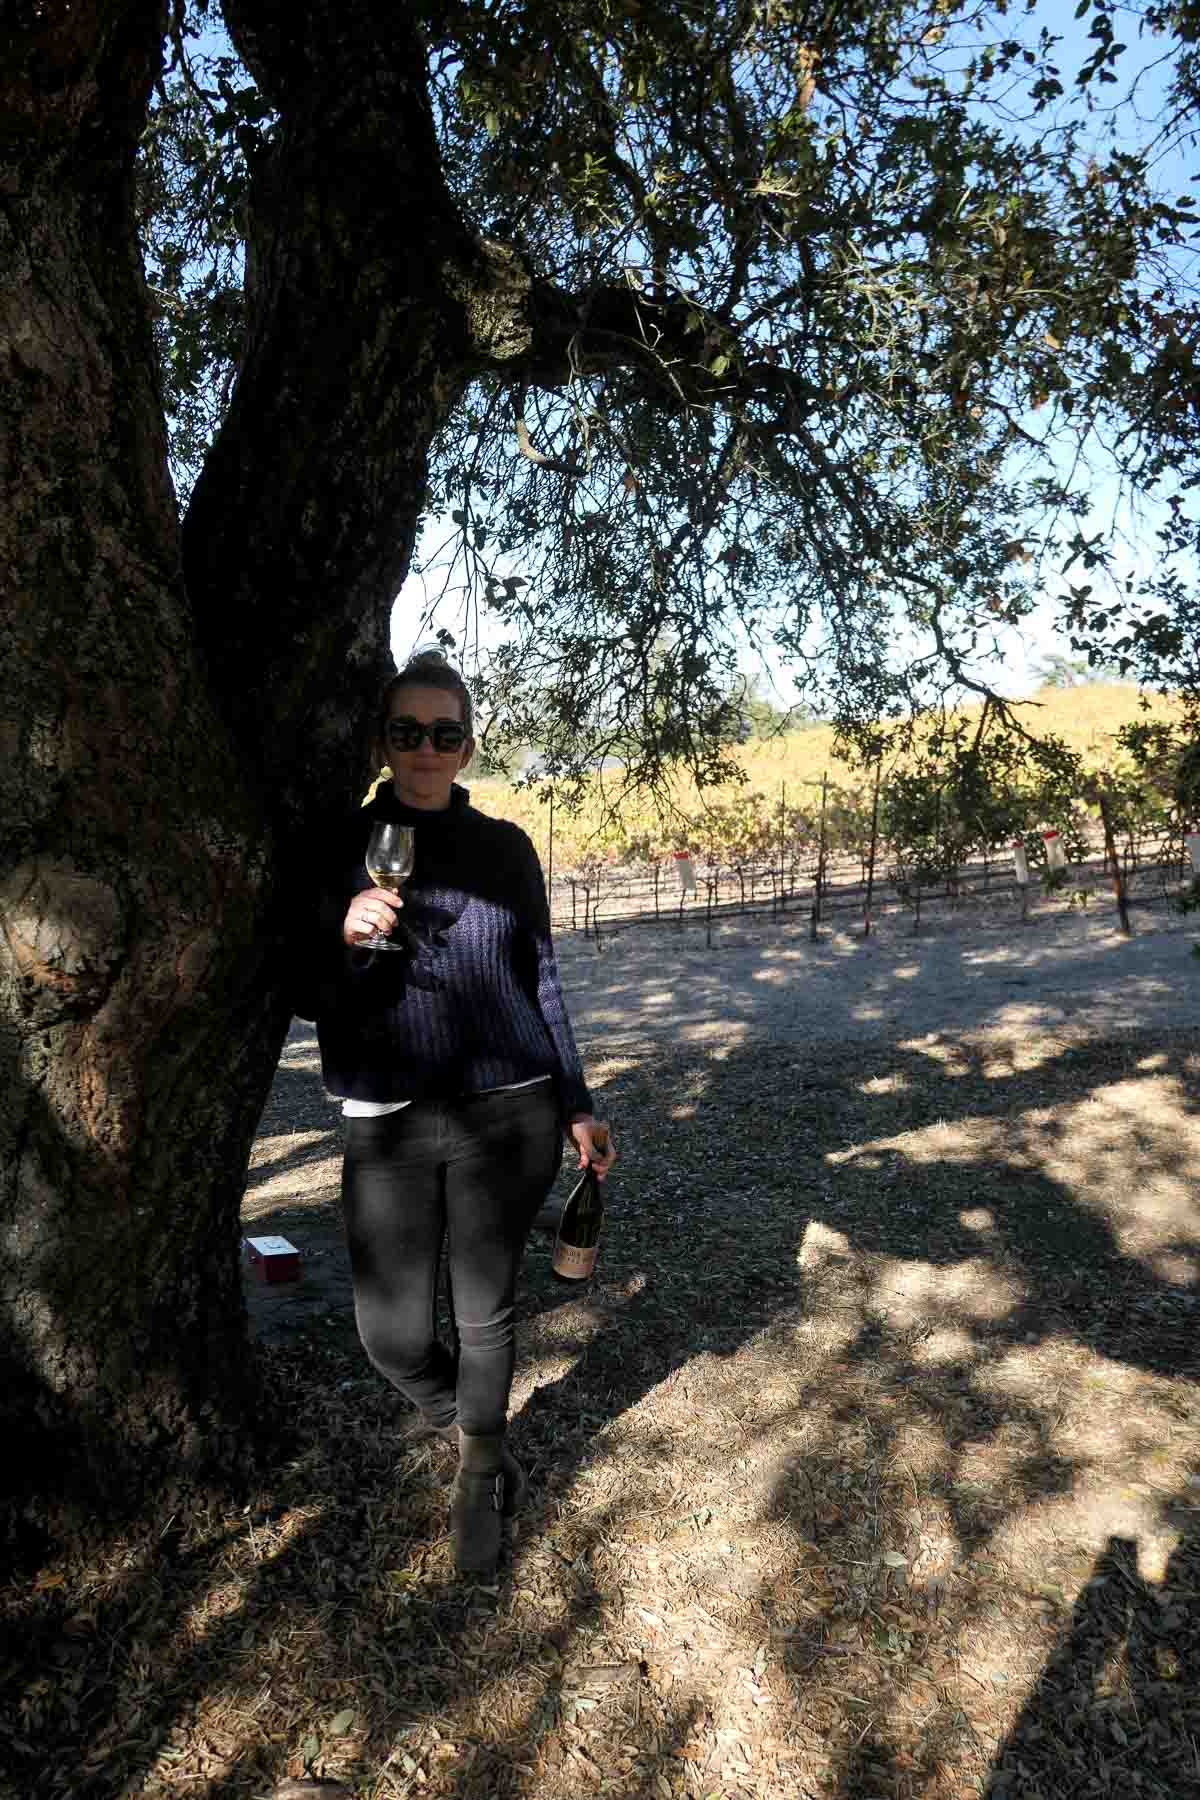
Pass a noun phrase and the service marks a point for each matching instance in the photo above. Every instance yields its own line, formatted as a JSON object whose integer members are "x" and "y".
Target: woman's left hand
{"x": 583, "y": 1133}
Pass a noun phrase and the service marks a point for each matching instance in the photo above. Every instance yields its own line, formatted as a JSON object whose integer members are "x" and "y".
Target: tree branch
{"x": 370, "y": 303}
{"x": 526, "y": 446}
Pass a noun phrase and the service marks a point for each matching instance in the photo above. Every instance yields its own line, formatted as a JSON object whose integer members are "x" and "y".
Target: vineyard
{"x": 601, "y": 897}
{"x": 961, "y": 817}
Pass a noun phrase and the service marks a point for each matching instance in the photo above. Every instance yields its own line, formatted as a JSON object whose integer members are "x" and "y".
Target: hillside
{"x": 1087, "y": 718}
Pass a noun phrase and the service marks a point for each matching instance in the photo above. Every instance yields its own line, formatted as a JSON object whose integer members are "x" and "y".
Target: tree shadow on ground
{"x": 301, "y": 1126}
{"x": 1058, "y": 1266}
{"x": 970, "y": 974}
{"x": 777, "y": 1194}
{"x": 938, "y": 1522}
{"x": 1117, "y": 1707}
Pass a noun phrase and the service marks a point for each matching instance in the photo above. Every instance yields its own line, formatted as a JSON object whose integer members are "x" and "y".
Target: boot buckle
{"x": 497, "y": 1500}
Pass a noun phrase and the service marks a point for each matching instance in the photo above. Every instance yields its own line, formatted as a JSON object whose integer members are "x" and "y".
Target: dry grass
{"x": 1086, "y": 718}
{"x": 872, "y": 1462}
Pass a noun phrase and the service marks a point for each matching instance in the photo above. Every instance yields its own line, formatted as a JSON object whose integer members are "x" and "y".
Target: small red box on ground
{"x": 272, "y": 1258}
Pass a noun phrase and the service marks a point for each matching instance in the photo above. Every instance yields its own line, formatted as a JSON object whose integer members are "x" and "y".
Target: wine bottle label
{"x": 572, "y": 1261}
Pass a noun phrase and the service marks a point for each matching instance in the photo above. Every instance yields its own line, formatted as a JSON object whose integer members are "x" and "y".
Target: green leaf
{"x": 719, "y": 364}
{"x": 341, "y": 1722}
{"x": 491, "y": 124}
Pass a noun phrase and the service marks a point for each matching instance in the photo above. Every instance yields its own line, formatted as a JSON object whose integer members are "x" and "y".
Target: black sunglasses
{"x": 410, "y": 734}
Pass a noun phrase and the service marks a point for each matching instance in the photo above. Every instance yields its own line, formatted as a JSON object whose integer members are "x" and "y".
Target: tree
{"x": 1059, "y": 671}
{"x": 759, "y": 717}
{"x": 1147, "y": 622}
{"x": 699, "y": 321}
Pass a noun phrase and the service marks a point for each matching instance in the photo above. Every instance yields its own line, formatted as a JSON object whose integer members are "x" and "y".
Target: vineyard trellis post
{"x": 1114, "y": 863}
{"x": 1021, "y": 871}
{"x": 820, "y": 881}
{"x": 550, "y": 875}
{"x": 871, "y": 856}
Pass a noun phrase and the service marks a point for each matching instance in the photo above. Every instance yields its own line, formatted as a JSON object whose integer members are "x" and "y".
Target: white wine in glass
{"x": 389, "y": 864}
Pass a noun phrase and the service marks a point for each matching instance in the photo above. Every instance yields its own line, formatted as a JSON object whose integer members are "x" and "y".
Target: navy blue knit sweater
{"x": 475, "y": 1001}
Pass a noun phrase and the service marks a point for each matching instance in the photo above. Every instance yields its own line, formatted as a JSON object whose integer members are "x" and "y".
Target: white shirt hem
{"x": 375, "y": 1109}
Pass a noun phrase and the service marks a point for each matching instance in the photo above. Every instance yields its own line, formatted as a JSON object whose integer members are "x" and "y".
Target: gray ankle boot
{"x": 477, "y": 1504}
{"x": 516, "y": 1482}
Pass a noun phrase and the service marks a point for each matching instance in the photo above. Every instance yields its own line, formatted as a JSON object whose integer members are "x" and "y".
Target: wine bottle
{"x": 578, "y": 1239}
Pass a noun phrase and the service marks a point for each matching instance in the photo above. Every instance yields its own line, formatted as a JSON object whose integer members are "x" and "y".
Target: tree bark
{"x": 177, "y": 702}
{"x": 138, "y": 1022}
{"x": 370, "y": 305}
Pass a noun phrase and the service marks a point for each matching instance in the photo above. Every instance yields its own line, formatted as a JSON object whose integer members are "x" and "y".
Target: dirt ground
{"x": 871, "y": 1463}
{"x": 868, "y": 1466}
{"x": 1065, "y": 974}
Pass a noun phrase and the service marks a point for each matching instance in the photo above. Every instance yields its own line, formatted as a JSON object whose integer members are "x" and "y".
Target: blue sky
{"x": 1022, "y": 650}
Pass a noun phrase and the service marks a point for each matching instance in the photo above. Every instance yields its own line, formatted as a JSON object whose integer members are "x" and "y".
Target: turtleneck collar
{"x": 387, "y": 805}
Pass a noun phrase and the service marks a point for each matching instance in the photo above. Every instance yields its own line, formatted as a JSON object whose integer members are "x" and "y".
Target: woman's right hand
{"x": 371, "y": 911}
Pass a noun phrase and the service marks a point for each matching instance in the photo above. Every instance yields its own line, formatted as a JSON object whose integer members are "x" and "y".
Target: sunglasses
{"x": 410, "y": 734}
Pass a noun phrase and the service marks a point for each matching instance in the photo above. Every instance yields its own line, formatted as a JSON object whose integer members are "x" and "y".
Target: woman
{"x": 459, "y": 1075}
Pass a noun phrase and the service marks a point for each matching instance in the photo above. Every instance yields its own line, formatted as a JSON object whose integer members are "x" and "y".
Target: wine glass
{"x": 389, "y": 864}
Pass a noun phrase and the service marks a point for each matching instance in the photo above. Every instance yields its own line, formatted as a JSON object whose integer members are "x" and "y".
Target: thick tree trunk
{"x": 138, "y": 1028}
{"x": 370, "y": 305}
{"x": 170, "y": 712}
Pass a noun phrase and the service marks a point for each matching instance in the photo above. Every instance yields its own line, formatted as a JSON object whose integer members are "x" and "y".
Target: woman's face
{"x": 424, "y": 774}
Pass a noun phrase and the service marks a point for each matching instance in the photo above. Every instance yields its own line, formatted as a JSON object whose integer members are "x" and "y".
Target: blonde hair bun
{"x": 428, "y": 666}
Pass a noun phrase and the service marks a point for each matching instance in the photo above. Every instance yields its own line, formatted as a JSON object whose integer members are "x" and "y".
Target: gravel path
{"x": 1062, "y": 971}
{"x": 1066, "y": 974}
{"x": 883, "y": 1406}
{"x": 962, "y": 973}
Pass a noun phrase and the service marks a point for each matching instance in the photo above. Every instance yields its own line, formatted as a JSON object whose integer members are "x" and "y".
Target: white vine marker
{"x": 685, "y": 869}
{"x": 1055, "y": 857}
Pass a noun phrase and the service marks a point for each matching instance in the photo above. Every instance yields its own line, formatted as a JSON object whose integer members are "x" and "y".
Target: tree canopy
{"x": 838, "y": 330}
{"x": 833, "y": 329}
